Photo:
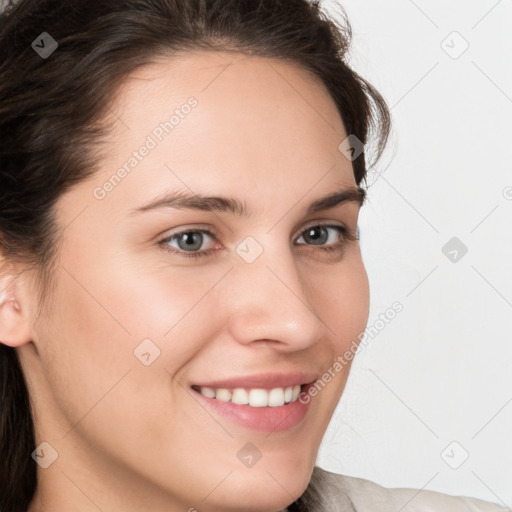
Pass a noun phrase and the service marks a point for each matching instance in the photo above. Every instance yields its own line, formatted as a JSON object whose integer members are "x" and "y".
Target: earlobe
{"x": 14, "y": 328}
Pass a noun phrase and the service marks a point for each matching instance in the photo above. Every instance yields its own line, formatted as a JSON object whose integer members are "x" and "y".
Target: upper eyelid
{"x": 213, "y": 233}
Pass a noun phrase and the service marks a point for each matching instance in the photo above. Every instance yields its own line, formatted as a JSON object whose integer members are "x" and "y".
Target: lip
{"x": 261, "y": 419}
{"x": 261, "y": 381}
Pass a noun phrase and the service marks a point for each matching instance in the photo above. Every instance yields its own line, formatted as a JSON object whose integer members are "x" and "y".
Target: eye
{"x": 188, "y": 242}
{"x": 328, "y": 238}
{"x": 320, "y": 235}
{"x": 325, "y": 237}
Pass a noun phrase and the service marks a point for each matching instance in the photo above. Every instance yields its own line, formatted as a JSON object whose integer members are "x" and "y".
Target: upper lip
{"x": 262, "y": 381}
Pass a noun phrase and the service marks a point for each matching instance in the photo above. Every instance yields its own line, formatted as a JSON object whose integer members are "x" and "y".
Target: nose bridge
{"x": 268, "y": 297}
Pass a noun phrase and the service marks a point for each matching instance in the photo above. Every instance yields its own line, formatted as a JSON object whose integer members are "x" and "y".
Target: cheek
{"x": 88, "y": 343}
{"x": 341, "y": 299}
{"x": 109, "y": 315}
{"x": 100, "y": 317}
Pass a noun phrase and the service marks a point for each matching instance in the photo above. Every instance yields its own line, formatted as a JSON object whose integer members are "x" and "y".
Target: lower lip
{"x": 263, "y": 419}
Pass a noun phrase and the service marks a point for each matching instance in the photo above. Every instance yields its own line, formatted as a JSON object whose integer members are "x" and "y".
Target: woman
{"x": 180, "y": 187}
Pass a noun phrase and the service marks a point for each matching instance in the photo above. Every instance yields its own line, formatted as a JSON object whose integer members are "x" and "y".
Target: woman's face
{"x": 139, "y": 319}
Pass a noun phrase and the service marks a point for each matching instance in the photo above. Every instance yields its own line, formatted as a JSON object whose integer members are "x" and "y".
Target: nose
{"x": 269, "y": 302}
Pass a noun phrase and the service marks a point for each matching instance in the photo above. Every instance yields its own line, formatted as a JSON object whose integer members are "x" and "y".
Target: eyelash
{"x": 347, "y": 236}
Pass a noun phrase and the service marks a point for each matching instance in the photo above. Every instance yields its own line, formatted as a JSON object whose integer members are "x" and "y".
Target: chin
{"x": 264, "y": 500}
{"x": 262, "y": 490}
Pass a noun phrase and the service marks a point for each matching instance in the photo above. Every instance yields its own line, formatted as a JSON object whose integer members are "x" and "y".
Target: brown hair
{"x": 52, "y": 119}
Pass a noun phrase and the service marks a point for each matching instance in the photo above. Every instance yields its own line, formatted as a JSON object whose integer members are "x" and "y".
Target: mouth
{"x": 265, "y": 404}
{"x": 253, "y": 397}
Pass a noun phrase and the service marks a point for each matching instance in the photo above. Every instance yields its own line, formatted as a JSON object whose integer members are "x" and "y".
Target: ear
{"x": 14, "y": 325}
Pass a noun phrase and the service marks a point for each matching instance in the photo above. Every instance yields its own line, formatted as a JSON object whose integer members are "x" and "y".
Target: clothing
{"x": 331, "y": 492}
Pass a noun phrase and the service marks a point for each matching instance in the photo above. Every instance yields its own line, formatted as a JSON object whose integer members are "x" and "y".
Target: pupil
{"x": 320, "y": 236}
{"x": 192, "y": 240}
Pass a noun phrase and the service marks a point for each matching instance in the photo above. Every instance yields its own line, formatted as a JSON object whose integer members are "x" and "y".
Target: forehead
{"x": 215, "y": 74}
{"x": 236, "y": 94}
{"x": 224, "y": 122}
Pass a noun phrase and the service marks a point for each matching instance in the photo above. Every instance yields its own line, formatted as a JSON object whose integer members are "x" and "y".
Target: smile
{"x": 275, "y": 409}
{"x": 276, "y": 397}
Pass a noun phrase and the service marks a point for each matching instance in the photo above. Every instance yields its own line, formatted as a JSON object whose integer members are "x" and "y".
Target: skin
{"x": 132, "y": 437}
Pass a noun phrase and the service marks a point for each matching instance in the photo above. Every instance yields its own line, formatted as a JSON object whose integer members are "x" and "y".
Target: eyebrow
{"x": 186, "y": 200}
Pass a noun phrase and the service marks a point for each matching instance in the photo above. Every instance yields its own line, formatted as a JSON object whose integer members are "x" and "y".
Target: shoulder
{"x": 367, "y": 496}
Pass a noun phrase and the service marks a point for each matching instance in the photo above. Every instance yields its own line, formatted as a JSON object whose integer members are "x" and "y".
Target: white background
{"x": 440, "y": 371}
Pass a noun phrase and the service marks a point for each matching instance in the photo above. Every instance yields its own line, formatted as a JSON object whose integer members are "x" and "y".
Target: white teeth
{"x": 224, "y": 395}
{"x": 239, "y": 396}
{"x": 209, "y": 392}
{"x": 276, "y": 397}
{"x": 258, "y": 398}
